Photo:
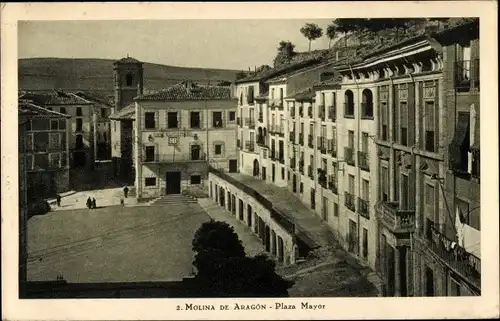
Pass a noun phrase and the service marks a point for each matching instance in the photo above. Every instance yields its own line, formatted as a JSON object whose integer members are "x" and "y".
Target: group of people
{"x": 91, "y": 203}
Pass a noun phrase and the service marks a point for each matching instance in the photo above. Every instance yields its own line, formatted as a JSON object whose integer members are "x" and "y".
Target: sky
{"x": 227, "y": 44}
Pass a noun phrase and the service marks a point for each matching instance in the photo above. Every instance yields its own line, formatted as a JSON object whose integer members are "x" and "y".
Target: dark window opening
{"x": 217, "y": 119}
{"x": 218, "y": 149}
{"x": 349, "y": 104}
{"x": 79, "y": 124}
{"x": 150, "y": 153}
{"x": 129, "y": 79}
{"x": 54, "y": 125}
{"x": 149, "y": 120}
{"x": 79, "y": 111}
{"x": 195, "y": 119}
{"x": 79, "y": 142}
{"x": 460, "y": 145}
{"x": 367, "y": 104}
{"x": 195, "y": 152}
{"x": 195, "y": 179}
{"x": 150, "y": 181}
{"x": 232, "y": 116}
{"x": 172, "y": 121}
{"x": 103, "y": 112}
{"x": 62, "y": 110}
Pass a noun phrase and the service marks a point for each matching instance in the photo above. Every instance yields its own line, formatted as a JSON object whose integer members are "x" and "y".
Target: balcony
{"x": 250, "y": 123}
{"x": 349, "y": 156}
{"x": 301, "y": 166}
{"x": 332, "y": 113}
{"x": 310, "y": 172}
{"x": 332, "y": 148}
{"x": 292, "y": 137}
{"x": 363, "y": 161}
{"x": 250, "y": 146}
{"x": 261, "y": 141}
{"x": 261, "y": 117}
{"x": 394, "y": 218}
{"x": 364, "y": 208}
{"x": 465, "y": 264}
{"x": 349, "y": 201}
{"x": 292, "y": 163}
{"x": 310, "y": 141}
{"x": 322, "y": 177}
{"x": 322, "y": 144}
{"x": 273, "y": 155}
{"x": 281, "y": 158}
{"x": 301, "y": 139}
{"x": 321, "y": 115}
{"x": 332, "y": 184}
{"x": 280, "y": 131}
{"x": 171, "y": 158}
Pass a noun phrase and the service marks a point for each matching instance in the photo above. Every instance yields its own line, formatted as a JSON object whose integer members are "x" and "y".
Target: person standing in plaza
{"x": 125, "y": 191}
{"x": 93, "y": 203}
{"x": 58, "y": 200}
{"x": 89, "y": 202}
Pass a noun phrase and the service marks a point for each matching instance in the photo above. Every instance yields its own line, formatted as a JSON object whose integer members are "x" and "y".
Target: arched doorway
{"x": 255, "y": 167}
{"x": 367, "y": 103}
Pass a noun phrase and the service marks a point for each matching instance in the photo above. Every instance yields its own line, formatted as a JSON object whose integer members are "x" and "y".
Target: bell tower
{"x": 129, "y": 82}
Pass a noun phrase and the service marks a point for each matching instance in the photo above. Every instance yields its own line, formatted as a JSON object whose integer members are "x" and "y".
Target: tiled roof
{"x": 28, "y": 108}
{"x": 126, "y": 113}
{"x": 128, "y": 60}
{"x": 186, "y": 91}
{"x": 96, "y": 97}
{"x": 55, "y": 97}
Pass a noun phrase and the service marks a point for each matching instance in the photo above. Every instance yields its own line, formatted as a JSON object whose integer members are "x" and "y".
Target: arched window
{"x": 348, "y": 103}
{"x": 367, "y": 104}
{"x": 129, "y": 79}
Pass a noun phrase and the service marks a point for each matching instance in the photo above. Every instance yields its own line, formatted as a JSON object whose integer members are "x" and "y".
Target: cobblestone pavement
{"x": 104, "y": 197}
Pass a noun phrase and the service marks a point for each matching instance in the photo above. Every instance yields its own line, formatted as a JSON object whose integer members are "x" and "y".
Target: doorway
{"x": 294, "y": 184}
{"x": 240, "y": 207}
{"x": 249, "y": 215}
{"x": 233, "y": 165}
{"x": 173, "y": 182}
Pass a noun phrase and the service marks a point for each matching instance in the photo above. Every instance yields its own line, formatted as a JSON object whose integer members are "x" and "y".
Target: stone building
{"x": 45, "y": 150}
{"x": 129, "y": 83}
{"x": 447, "y": 239}
{"x": 177, "y": 132}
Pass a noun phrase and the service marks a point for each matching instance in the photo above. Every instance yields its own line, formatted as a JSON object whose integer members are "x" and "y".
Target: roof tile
{"x": 187, "y": 91}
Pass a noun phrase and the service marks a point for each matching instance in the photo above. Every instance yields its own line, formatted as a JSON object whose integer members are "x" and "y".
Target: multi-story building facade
{"x": 447, "y": 240}
{"x": 129, "y": 83}
{"x": 177, "y": 132}
{"x": 45, "y": 152}
{"x": 85, "y": 117}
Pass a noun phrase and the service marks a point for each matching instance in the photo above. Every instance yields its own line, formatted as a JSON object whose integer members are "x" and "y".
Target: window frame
{"x": 150, "y": 178}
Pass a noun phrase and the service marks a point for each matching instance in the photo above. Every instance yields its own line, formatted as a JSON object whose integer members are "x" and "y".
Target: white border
{"x": 344, "y": 308}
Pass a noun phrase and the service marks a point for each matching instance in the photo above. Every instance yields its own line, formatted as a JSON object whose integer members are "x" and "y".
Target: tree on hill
{"x": 347, "y": 25}
{"x": 312, "y": 32}
{"x": 240, "y": 75}
{"x": 223, "y": 270}
{"x": 331, "y": 32}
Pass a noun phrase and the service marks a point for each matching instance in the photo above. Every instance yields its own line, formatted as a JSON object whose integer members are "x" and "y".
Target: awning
{"x": 461, "y": 132}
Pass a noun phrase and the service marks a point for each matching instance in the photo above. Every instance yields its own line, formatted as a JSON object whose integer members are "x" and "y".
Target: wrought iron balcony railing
{"x": 322, "y": 144}
{"x": 310, "y": 141}
{"x": 301, "y": 166}
{"x": 322, "y": 179}
{"x": 332, "y": 148}
{"x": 363, "y": 207}
{"x": 292, "y": 137}
{"x": 301, "y": 139}
{"x": 332, "y": 184}
{"x": 310, "y": 112}
{"x": 395, "y": 219}
{"x": 349, "y": 201}
{"x": 349, "y": 156}
{"x": 250, "y": 146}
{"x": 332, "y": 113}
{"x": 310, "y": 172}
{"x": 363, "y": 161}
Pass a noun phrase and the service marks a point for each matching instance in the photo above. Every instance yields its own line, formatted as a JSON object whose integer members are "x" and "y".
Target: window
{"x": 195, "y": 152}
{"x": 367, "y": 104}
{"x": 250, "y": 95}
{"x": 79, "y": 124}
{"x": 62, "y": 110}
{"x": 460, "y": 144}
{"x": 195, "y": 119}
{"x": 351, "y": 184}
{"x": 282, "y": 173}
{"x": 403, "y": 112}
{"x": 404, "y": 192}
{"x": 383, "y": 116}
{"x": 28, "y": 142}
{"x": 103, "y": 112}
{"x": 40, "y": 124}
{"x": 232, "y": 116}
{"x": 301, "y": 187}
{"x": 79, "y": 142}
{"x": 150, "y": 120}
{"x": 429, "y": 126}
{"x": 172, "y": 120}
{"x": 150, "y": 154}
{"x": 129, "y": 79}
{"x": 54, "y": 125}
{"x": 79, "y": 111}
{"x": 349, "y": 104}
{"x": 41, "y": 161}
{"x": 49, "y": 108}
{"x": 218, "y": 149}
{"x": 150, "y": 181}
{"x": 429, "y": 202}
{"x": 313, "y": 199}
{"x": 54, "y": 141}
{"x": 217, "y": 119}
{"x": 429, "y": 282}
{"x": 195, "y": 179}
{"x": 55, "y": 160}
{"x": 350, "y": 139}
{"x": 62, "y": 124}
{"x": 365, "y": 243}
{"x": 385, "y": 184}
{"x": 114, "y": 126}
{"x": 335, "y": 209}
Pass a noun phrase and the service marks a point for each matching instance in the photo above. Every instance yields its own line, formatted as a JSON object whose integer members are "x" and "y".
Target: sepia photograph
{"x": 288, "y": 158}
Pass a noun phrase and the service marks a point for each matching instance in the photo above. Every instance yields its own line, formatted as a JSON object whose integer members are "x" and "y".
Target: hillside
{"x": 97, "y": 74}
